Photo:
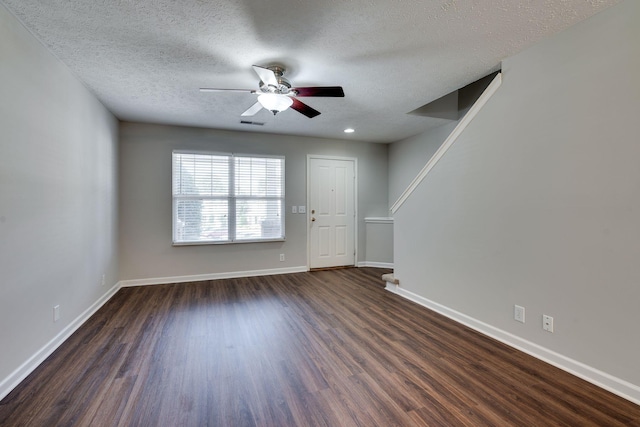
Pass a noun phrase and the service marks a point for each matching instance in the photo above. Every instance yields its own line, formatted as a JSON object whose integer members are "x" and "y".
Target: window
{"x": 220, "y": 198}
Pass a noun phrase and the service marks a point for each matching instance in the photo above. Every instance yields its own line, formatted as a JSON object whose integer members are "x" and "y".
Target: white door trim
{"x": 355, "y": 203}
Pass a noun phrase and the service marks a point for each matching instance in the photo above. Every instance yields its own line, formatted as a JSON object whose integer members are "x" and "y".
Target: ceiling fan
{"x": 276, "y": 94}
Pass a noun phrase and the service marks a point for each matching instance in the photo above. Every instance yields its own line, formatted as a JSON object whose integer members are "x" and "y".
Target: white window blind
{"x": 227, "y": 198}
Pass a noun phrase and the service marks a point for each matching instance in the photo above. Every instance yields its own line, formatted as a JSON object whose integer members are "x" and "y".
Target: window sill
{"x": 227, "y": 242}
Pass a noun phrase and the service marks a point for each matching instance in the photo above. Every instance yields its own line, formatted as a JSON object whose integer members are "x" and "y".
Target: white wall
{"x": 145, "y": 205}
{"x": 538, "y": 204}
{"x": 58, "y": 224}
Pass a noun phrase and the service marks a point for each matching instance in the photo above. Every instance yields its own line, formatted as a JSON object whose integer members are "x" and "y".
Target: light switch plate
{"x": 302, "y": 209}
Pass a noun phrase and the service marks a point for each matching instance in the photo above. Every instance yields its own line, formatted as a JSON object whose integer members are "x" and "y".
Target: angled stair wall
{"x": 535, "y": 203}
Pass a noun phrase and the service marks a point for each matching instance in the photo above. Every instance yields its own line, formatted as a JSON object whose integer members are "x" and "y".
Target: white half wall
{"x": 146, "y": 251}
{"x": 537, "y": 204}
{"x": 58, "y": 202}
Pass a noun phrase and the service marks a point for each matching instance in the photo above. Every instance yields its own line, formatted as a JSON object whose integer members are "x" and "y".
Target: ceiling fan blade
{"x": 267, "y": 76}
{"x": 213, "y": 89}
{"x": 333, "y": 91}
{"x": 252, "y": 110}
{"x": 303, "y": 108}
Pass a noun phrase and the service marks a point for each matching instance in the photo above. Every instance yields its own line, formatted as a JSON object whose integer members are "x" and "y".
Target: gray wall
{"x": 145, "y": 204}
{"x": 379, "y": 244}
{"x": 58, "y": 224}
{"x": 538, "y": 201}
{"x": 408, "y": 157}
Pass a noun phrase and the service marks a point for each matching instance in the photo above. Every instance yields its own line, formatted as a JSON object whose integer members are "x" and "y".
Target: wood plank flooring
{"x": 326, "y": 348}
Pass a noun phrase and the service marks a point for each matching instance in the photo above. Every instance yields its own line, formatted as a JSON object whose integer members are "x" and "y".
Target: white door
{"x": 331, "y": 212}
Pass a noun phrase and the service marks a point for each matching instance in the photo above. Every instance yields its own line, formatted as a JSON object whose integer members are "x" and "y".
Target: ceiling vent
{"x": 248, "y": 122}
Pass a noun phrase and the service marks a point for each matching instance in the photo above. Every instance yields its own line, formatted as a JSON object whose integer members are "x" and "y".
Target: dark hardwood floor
{"x": 327, "y": 348}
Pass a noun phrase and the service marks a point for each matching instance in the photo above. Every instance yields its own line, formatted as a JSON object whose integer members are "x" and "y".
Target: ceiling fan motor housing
{"x": 284, "y": 85}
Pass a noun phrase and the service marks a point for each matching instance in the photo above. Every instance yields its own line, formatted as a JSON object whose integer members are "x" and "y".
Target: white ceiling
{"x": 146, "y": 59}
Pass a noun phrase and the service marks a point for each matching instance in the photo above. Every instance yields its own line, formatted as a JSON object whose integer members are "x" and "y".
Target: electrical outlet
{"x": 547, "y": 323}
{"x": 294, "y": 209}
{"x": 56, "y": 313}
{"x": 104, "y": 280}
{"x": 518, "y": 313}
{"x": 281, "y": 257}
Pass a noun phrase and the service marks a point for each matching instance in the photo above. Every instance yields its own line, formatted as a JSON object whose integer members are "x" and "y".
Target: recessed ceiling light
{"x": 349, "y": 130}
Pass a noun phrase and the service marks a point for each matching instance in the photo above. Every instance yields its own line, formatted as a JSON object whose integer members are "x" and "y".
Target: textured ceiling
{"x": 146, "y": 59}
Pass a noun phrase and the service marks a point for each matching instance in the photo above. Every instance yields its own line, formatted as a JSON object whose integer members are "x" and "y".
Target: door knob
{"x": 312, "y": 219}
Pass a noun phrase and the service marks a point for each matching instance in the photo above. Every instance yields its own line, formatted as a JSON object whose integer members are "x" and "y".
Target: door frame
{"x": 355, "y": 203}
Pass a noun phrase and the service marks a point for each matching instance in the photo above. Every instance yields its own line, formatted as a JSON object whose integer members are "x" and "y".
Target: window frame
{"x": 231, "y": 199}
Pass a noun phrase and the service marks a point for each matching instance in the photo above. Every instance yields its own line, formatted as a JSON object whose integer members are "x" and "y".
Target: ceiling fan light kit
{"x": 275, "y": 93}
{"x": 275, "y": 102}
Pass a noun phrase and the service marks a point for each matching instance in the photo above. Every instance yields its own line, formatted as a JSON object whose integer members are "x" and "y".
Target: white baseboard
{"x": 211, "y": 276}
{"x": 375, "y": 264}
{"x": 602, "y": 379}
{"x": 392, "y": 287}
{"x": 17, "y": 376}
